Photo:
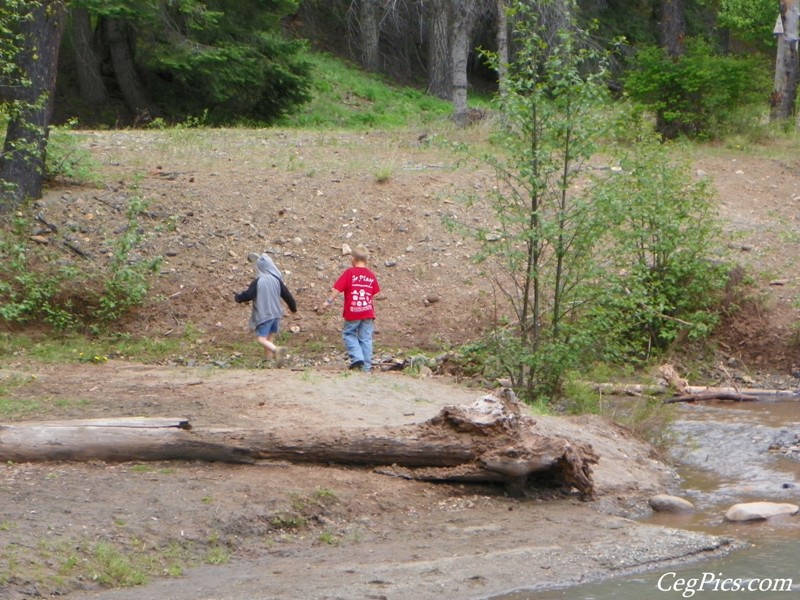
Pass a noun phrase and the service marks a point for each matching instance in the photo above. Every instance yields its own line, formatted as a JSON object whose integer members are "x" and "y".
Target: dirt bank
{"x": 287, "y": 531}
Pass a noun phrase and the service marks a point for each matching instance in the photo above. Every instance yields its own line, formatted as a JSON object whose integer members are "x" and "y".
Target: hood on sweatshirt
{"x": 265, "y": 266}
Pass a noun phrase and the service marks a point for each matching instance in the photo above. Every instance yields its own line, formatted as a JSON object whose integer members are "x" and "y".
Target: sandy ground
{"x": 294, "y": 531}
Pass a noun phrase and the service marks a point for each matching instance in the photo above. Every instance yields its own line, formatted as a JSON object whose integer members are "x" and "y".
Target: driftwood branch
{"x": 758, "y": 393}
{"x": 712, "y": 395}
{"x": 689, "y": 393}
{"x": 490, "y": 440}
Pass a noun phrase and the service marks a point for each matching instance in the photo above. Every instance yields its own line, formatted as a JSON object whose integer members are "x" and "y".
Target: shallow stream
{"x": 725, "y": 458}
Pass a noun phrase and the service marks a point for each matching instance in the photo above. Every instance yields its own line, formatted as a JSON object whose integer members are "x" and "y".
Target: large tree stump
{"x": 487, "y": 441}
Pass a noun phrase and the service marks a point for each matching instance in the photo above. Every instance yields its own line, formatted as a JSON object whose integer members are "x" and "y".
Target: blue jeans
{"x": 357, "y": 336}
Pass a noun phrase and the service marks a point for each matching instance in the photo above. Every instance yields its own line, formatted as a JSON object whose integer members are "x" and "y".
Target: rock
{"x": 759, "y": 511}
{"x": 346, "y": 250}
{"x": 432, "y": 298}
{"x": 39, "y": 239}
{"x": 670, "y": 504}
{"x": 297, "y": 241}
{"x": 390, "y": 263}
{"x": 253, "y": 256}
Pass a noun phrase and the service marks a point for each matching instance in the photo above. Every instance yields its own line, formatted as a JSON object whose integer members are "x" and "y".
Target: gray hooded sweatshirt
{"x": 267, "y": 303}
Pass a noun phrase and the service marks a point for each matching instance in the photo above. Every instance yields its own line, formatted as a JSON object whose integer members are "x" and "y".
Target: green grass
{"x": 142, "y": 468}
{"x": 328, "y": 537}
{"x": 325, "y": 494}
{"x": 216, "y": 554}
{"x": 53, "y": 564}
{"x": 10, "y": 407}
{"x": 346, "y": 98}
{"x": 288, "y": 521}
{"x": 73, "y": 347}
{"x": 149, "y": 468}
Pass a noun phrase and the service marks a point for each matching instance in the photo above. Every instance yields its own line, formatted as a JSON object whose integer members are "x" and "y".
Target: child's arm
{"x": 331, "y": 297}
{"x": 249, "y": 294}
{"x": 287, "y": 297}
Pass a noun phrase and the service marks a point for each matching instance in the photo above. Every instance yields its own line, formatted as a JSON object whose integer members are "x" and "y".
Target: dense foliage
{"x": 228, "y": 63}
{"x": 224, "y": 62}
{"x": 699, "y": 93}
{"x": 750, "y": 20}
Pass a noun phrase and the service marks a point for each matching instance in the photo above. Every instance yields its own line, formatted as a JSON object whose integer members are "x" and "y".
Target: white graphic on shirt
{"x": 360, "y": 298}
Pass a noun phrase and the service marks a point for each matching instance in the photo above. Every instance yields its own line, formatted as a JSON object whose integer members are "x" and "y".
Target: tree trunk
{"x": 503, "y": 54}
{"x": 90, "y": 81}
{"x": 672, "y": 26}
{"x": 440, "y": 82}
{"x": 369, "y": 32}
{"x": 786, "y": 62}
{"x": 463, "y": 19}
{"x": 488, "y": 441}
{"x": 25, "y": 149}
{"x": 121, "y": 48}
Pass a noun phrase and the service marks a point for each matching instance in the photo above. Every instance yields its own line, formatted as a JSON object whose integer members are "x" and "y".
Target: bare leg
{"x": 269, "y": 347}
{"x": 279, "y": 352}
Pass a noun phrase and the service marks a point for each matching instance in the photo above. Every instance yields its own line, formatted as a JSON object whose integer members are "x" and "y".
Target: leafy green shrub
{"x": 666, "y": 278}
{"x": 37, "y": 285}
{"x": 30, "y": 283}
{"x": 129, "y": 281}
{"x": 698, "y": 94}
{"x": 541, "y": 249}
{"x": 67, "y": 159}
{"x": 594, "y": 265}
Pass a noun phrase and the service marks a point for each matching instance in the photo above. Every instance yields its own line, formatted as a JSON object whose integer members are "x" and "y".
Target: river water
{"x": 723, "y": 450}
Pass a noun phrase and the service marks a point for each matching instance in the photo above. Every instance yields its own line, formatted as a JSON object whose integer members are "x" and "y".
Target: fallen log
{"x": 756, "y": 392}
{"x": 628, "y": 389}
{"x": 490, "y": 440}
{"x": 712, "y": 395}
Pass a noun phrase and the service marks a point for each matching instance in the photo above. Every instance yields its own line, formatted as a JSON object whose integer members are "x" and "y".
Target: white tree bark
{"x": 503, "y": 54}
{"x": 440, "y": 83}
{"x": 786, "y": 62}
{"x": 463, "y": 16}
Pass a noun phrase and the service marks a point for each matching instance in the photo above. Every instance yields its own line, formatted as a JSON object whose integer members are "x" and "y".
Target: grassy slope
{"x": 347, "y": 98}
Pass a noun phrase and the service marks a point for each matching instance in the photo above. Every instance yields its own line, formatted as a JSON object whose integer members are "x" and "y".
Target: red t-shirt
{"x": 359, "y": 286}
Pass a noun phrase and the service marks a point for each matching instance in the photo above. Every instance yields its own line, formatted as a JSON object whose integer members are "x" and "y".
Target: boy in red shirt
{"x": 359, "y": 286}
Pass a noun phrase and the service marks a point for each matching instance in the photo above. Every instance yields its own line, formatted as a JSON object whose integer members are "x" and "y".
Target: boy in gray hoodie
{"x": 265, "y": 292}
